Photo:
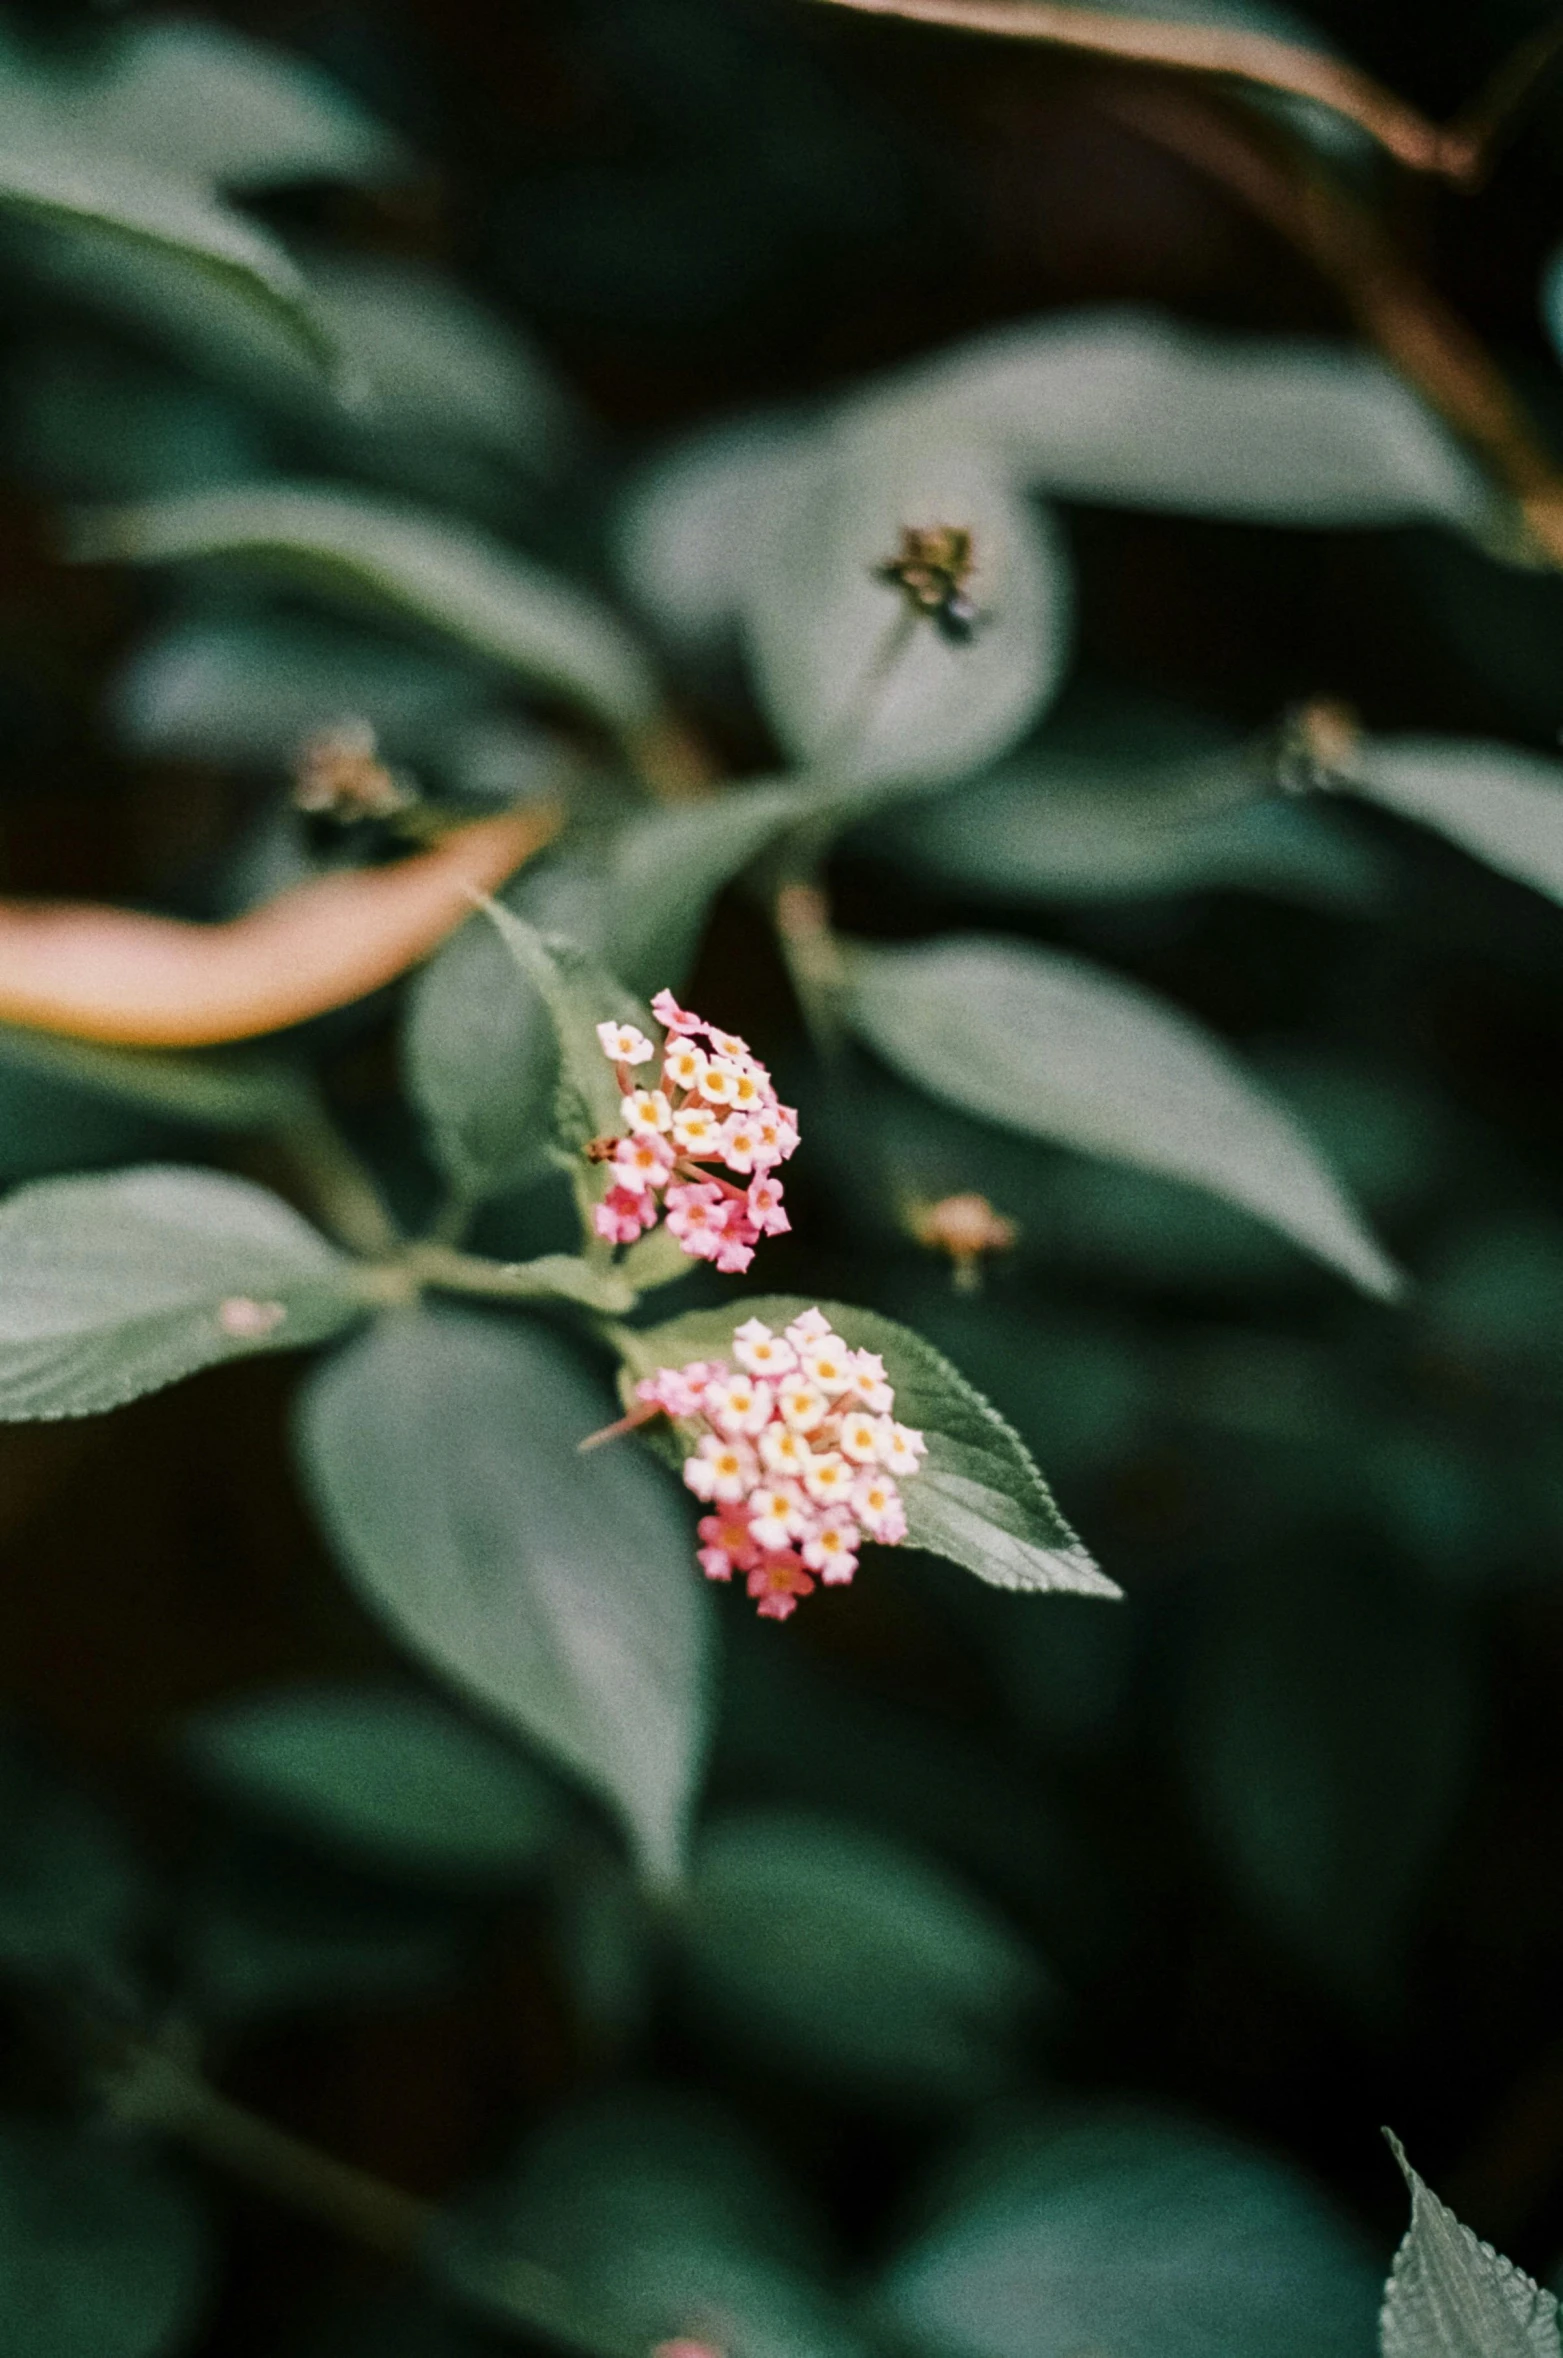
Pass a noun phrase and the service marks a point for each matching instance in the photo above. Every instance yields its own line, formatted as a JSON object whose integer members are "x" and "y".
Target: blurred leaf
{"x": 557, "y": 1589}
{"x": 1125, "y": 407}
{"x": 1327, "y": 1738}
{"x": 123, "y": 204}
{"x": 102, "y": 2254}
{"x": 89, "y": 420}
{"x": 853, "y": 1957}
{"x": 1451, "y": 2296}
{"x": 1043, "y": 1042}
{"x": 217, "y": 1089}
{"x": 1500, "y": 804}
{"x": 401, "y": 2323}
{"x": 198, "y": 100}
{"x": 389, "y": 1777}
{"x": 72, "y": 1896}
{"x": 657, "y": 2212}
{"x": 482, "y": 1062}
{"x": 111, "y": 1287}
{"x": 851, "y": 683}
{"x": 1137, "y": 2235}
{"x": 688, "y": 528}
{"x": 268, "y": 1934}
{"x": 578, "y": 994}
{"x": 977, "y": 1498}
{"x": 247, "y": 690}
{"x": 422, "y": 569}
{"x": 1073, "y": 830}
{"x": 439, "y": 366}
{"x": 1497, "y": 1296}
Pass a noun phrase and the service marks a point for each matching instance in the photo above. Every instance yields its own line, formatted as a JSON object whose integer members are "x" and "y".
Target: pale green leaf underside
{"x": 115, "y": 1286}
{"x": 173, "y": 219}
{"x": 1043, "y": 1042}
{"x": 1498, "y": 802}
{"x": 1450, "y": 2295}
{"x": 977, "y": 1499}
{"x": 579, "y": 994}
{"x": 102, "y": 2255}
{"x": 422, "y": 569}
{"x": 559, "y": 1590}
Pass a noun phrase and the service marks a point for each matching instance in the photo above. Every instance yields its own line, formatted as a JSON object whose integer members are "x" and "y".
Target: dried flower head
{"x": 933, "y": 569}
{"x": 700, "y": 1111}
{"x": 966, "y": 1227}
{"x": 793, "y": 1447}
{"x": 340, "y": 776}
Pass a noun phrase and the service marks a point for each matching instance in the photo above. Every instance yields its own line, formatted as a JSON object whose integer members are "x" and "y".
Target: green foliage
{"x": 666, "y": 2219}
{"x": 102, "y": 2254}
{"x": 1046, "y": 1043}
{"x": 432, "y": 575}
{"x": 556, "y": 1589}
{"x": 578, "y": 994}
{"x": 387, "y": 1778}
{"x": 1136, "y": 2234}
{"x": 977, "y": 1498}
{"x": 853, "y": 1958}
{"x": 72, "y": 1896}
{"x": 482, "y": 1062}
{"x": 1327, "y": 1739}
{"x": 1451, "y": 2296}
{"x": 1501, "y": 805}
{"x": 116, "y": 1286}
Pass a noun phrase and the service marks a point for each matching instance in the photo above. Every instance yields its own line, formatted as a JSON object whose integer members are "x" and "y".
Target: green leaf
{"x": 853, "y": 685}
{"x": 579, "y": 994}
{"x": 125, "y": 206}
{"x": 557, "y": 1589}
{"x": 72, "y": 1897}
{"x": 197, "y": 100}
{"x": 247, "y": 689}
{"x": 977, "y": 1497}
{"x": 1135, "y": 2234}
{"x": 1045, "y": 1043}
{"x": 267, "y": 1933}
{"x": 1501, "y": 804}
{"x": 854, "y": 1957}
{"x": 658, "y": 2216}
{"x": 385, "y": 1776}
{"x": 1065, "y": 829}
{"x": 111, "y": 1287}
{"x": 482, "y": 1059}
{"x": 102, "y": 2255}
{"x": 1451, "y": 2296}
{"x": 1143, "y": 413}
{"x": 1327, "y": 1738}
{"x": 211, "y": 1089}
{"x": 422, "y": 569}
{"x": 692, "y": 520}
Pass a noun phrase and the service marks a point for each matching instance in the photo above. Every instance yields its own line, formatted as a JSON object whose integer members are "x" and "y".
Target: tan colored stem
{"x": 1411, "y": 325}
{"x": 1259, "y": 59}
{"x": 157, "y": 982}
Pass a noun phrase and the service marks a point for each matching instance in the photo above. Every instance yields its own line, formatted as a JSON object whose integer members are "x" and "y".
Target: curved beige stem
{"x": 157, "y": 982}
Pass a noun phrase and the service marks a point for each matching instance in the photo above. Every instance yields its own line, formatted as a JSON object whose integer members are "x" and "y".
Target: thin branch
{"x": 1411, "y": 325}
{"x": 1259, "y": 59}
{"x": 1490, "y": 120}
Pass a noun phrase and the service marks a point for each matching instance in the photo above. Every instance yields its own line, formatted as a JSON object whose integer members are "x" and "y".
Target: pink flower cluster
{"x": 795, "y": 1450}
{"x": 708, "y": 1105}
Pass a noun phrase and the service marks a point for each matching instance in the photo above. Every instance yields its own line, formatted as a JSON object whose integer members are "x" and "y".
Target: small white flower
{"x": 860, "y": 1437}
{"x": 761, "y": 1352}
{"x": 807, "y": 1328}
{"x": 697, "y": 1132}
{"x": 647, "y": 1109}
{"x": 868, "y": 1387}
{"x": 785, "y": 1453}
{"x": 738, "y": 1404}
{"x": 623, "y": 1044}
{"x": 776, "y": 1514}
{"x": 900, "y": 1449}
{"x": 720, "y": 1469}
{"x": 828, "y": 1363}
{"x": 684, "y": 1066}
{"x": 801, "y": 1404}
{"x": 829, "y": 1480}
{"x": 720, "y": 1085}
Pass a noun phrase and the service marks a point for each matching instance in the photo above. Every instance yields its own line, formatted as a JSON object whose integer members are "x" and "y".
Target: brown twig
{"x": 1411, "y": 325}
{"x": 1258, "y": 59}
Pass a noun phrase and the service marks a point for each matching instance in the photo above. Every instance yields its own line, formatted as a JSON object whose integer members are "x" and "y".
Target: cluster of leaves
{"x": 345, "y": 467}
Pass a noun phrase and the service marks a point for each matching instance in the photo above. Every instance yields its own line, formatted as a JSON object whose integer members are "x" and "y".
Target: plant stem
{"x": 1414, "y": 329}
{"x": 345, "y": 1195}
{"x": 154, "y": 2089}
{"x": 1259, "y": 59}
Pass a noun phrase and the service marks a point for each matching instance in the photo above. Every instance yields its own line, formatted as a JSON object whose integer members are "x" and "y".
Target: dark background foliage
{"x": 695, "y": 207}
